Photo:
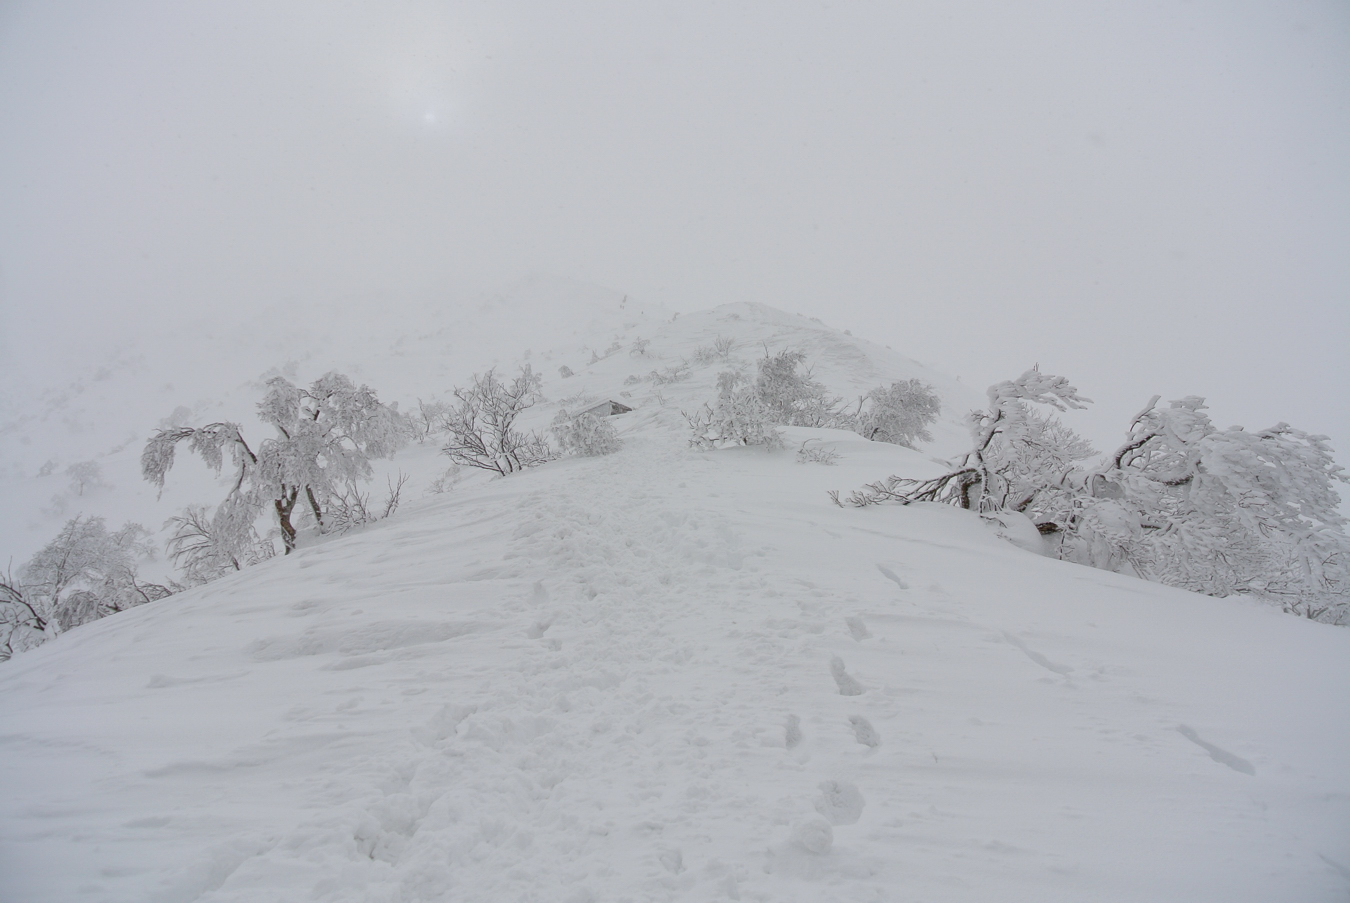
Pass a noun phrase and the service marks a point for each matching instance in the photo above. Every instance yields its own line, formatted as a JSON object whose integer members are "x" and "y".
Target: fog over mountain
{"x": 1146, "y": 197}
{"x": 828, "y": 650}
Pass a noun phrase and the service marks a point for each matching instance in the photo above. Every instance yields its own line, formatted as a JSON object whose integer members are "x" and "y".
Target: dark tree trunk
{"x": 314, "y": 506}
{"x": 285, "y": 505}
{"x": 967, "y": 483}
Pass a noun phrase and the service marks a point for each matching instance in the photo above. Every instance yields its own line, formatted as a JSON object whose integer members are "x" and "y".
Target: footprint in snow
{"x": 1344, "y": 872}
{"x": 1218, "y": 754}
{"x": 847, "y": 685}
{"x": 673, "y": 860}
{"x": 815, "y": 835}
{"x": 806, "y": 854}
{"x": 891, "y": 575}
{"x": 1062, "y": 670}
{"x": 863, "y": 731}
{"x": 840, "y": 802}
{"x": 857, "y": 628}
{"x": 540, "y": 627}
{"x": 792, "y": 732}
{"x": 444, "y": 723}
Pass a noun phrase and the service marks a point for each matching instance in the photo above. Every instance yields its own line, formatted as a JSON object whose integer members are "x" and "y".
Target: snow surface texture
{"x": 671, "y": 674}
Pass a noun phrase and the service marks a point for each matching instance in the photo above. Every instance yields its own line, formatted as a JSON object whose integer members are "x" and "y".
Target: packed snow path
{"x": 669, "y": 675}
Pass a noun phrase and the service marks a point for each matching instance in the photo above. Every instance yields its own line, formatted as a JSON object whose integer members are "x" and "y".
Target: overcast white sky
{"x": 1146, "y": 197}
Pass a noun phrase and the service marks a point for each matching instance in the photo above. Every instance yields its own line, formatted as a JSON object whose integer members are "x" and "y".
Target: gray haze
{"x": 1145, "y": 197}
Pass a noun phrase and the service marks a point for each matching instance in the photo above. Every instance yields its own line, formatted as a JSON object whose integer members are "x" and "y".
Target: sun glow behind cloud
{"x": 1145, "y": 197}
{"x": 428, "y": 64}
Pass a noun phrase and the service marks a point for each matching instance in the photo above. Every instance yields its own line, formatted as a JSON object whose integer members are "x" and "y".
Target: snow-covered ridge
{"x": 673, "y": 674}
{"x": 216, "y": 371}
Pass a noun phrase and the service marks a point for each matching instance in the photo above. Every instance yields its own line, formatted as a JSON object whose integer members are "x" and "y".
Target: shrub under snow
{"x": 1221, "y": 512}
{"x": 588, "y": 435}
{"x": 481, "y": 427}
{"x": 900, "y": 414}
{"x": 85, "y": 573}
{"x": 737, "y": 417}
{"x": 792, "y": 397}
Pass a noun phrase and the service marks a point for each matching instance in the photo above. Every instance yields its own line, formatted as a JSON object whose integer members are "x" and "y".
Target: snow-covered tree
{"x": 428, "y": 418}
{"x": 446, "y": 481}
{"x": 1222, "y": 512}
{"x": 986, "y": 478}
{"x": 792, "y": 397}
{"x": 899, "y": 414}
{"x": 719, "y": 351}
{"x": 738, "y": 417}
{"x": 482, "y": 425}
{"x": 1039, "y": 466}
{"x": 326, "y": 436}
{"x": 585, "y": 434}
{"x": 85, "y": 476}
{"x": 203, "y": 553}
{"x": 86, "y": 572}
{"x": 89, "y": 571}
{"x": 349, "y": 507}
{"x": 22, "y": 624}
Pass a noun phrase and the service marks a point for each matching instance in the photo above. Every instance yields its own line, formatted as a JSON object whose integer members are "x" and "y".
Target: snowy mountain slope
{"x": 213, "y": 369}
{"x": 207, "y": 365}
{"x": 671, "y": 674}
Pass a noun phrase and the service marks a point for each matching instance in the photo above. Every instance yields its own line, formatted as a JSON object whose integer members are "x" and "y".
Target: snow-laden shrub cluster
{"x": 87, "y": 572}
{"x": 1181, "y": 502}
{"x": 588, "y": 435}
{"x": 738, "y": 417}
{"x": 815, "y": 454}
{"x": 675, "y": 373}
{"x": 718, "y": 352}
{"x": 481, "y": 428}
{"x": 793, "y": 397}
{"x": 326, "y": 436}
{"x": 350, "y": 508}
{"x": 899, "y": 414}
{"x": 204, "y": 550}
{"x": 446, "y": 481}
{"x": 786, "y": 393}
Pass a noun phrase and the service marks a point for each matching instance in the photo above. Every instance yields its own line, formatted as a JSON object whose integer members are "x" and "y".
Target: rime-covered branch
{"x": 326, "y": 436}
{"x": 1221, "y": 512}
{"x": 481, "y": 427}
